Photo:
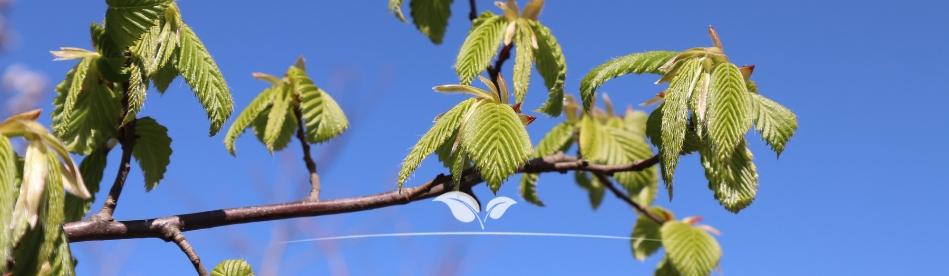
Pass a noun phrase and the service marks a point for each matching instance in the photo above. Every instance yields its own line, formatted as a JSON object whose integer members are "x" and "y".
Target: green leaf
{"x": 91, "y": 168}
{"x": 637, "y": 63}
{"x": 522, "y": 60}
{"x": 529, "y": 188}
{"x": 61, "y": 260}
{"x": 646, "y": 238}
{"x": 93, "y": 118}
{"x": 232, "y": 268}
{"x": 127, "y": 20}
{"x": 590, "y": 142}
{"x": 665, "y": 268}
{"x": 152, "y": 150}
{"x": 623, "y": 147}
{"x": 202, "y": 74}
{"x": 729, "y": 110}
{"x": 287, "y": 130}
{"x": 282, "y": 105}
{"x": 165, "y": 75}
{"x": 774, "y": 122}
{"x": 395, "y": 6}
{"x": 8, "y": 179}
{"x": 138, "y": 86}
{"x": 67, "y": 92}
{"x": 635, "y": 121}
{"x": 595, "y": 189}
{"x": 735, "y": 181}
{"x": 496, "y": 141}
{"x": 445, "y": 127}
{"x": 480, "y": 47}
{"x": 675, "y": 112}
{"x": 39, "y": 242}
{"x": 558, "y": 139}
{"x": 324, "y": 118}
{"x": 552, "y": 67}
{"x": 429, "y": 16}
{"x": 247, "y": 117}
{"x": 692, "y": 251}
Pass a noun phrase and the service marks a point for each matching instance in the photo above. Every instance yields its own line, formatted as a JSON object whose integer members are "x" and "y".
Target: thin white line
{"x": 468, "y": 234}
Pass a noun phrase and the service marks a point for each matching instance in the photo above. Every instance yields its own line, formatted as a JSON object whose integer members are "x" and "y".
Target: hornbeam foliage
{"x": 273, "y": 113}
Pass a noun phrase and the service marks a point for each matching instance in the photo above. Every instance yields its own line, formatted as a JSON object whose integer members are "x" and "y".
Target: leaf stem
{"x": 126, "y": 137}
{"x": 310, "y": 165}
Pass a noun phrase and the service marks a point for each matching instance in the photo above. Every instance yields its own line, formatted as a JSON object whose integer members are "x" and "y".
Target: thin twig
{"x": 90, "y": 230}
{"x": 474, "y": 11}
{"x": 126, "y": 137}
{"x": 173, "y": 234}
{"x": 310, "y": 165}
{"x": 609, "y": 184}
{"x": 495, "y": 70}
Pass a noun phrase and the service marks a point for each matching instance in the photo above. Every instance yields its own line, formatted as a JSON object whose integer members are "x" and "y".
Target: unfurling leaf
{"x": 324, "y": 119}
{"x": 280, "y": 111}
{"x": 247, "y": 117}
{"x": 675, "y": 112}
{"x": 646, "y": 237}
{"x": 203, "y": 76}
{"x": 774, "y": 122}
{"x": 480, "y": 47}
{"x": 522, "y": 60}
{"x": 429, "y": 16}
{"x": 87, "y": 119}
{"x": 152, "y": 150}
{"x": 8, "y": 181}
{"x": 444, "y": 128}
{"x": 92, "y": 167}
{"x": 691, "y": 250}
{"x": 464, "y": 207}
{"x": 552, "y": 67}
{"x": 232, "y": 268}
{"x": 287, "y": 129}
{"x": 637, "y": 63}
{"x": 734, "y": 181}
{"x": 126, "y": 21}
{"x": 496, "y": 141}
{"x": 729, "y": 110}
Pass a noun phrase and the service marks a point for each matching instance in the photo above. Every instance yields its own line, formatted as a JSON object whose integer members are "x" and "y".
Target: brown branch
{"x": 310, "y": 165}
{"x": 495, "y": 70}
{"x": 474, "y": 10}
{"x": 173, "y": 234}
{"x": 609, "y": 184}
{"x": 126, "y": 137}
{"x": 90, "y": 230}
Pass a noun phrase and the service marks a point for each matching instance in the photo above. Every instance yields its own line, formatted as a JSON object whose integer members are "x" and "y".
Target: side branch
{"x": 609, "y": 184}
{"x": 126, "y": 138}
{"x": 310, "y": 165}
{"x": 172, "y": 234}
{"x": 89, "y": 230}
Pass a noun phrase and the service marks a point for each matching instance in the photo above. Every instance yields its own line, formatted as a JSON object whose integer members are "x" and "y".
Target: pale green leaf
{"x": 69, "y": 53}
{"x": 458, "y": 161}
{"x": 36, "y": 246}
{"x": 637, "y": 63}
{"x": 93, "y": 118}
{"x": 127, "y": 20}
{"x": 232, "y": 268}
{"x": 91, "y": 168}
{"x": 247, "y": 117}
{"x": 496, "y": 141}
{"x": 692, "y": 251}
{"x": 287, "y": 130}
{"x": 529, "y": 188}
{"x": 203, "y": 76}
{"x": 324, "y": 119}
{"x": 735, "y": 181}
{"x": 164, "y": 76}
{"x": 282, "y": 106}
{"x": 635, "y": 121}
{"x": 665, "y": 268}
{"x": 675, "y": 112}
{"x": 590, "y": 142}
{"x": 552, "y": 67}
{"x": 445, "y": 127}
{"x": 8, "y": 179}
{"x": 470, "y": 90}
{"x": 624, "y": 147}
{"x": 395, "y": 6}
{"x": 29, "y": 201}
{"x": 690, "y": 144}
{"x": 774, "y": 122}
{"x": 138, "y": 86}
{"x": 595, "y": 189}
{"x": 152, "y": 150}
{"x": 480, "y": 47}
{"x": 523, "y": 59}
{"x": 729, "y": 110}
{"x": 558, "y": 139}
{"x": 646, "y": 238}
{"x": 61, "y": 261}
{"x": 429, "y": 16}
{"x": 67, "y": 93}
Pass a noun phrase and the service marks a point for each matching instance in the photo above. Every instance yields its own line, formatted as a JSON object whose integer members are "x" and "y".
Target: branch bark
{"x": 310, "y": 165}
{"x": 90, "y": 230}
{"x": 126, "y": 138}
{"x": 495, "y": 70}
{"x": 474, "y": 11}
{"x": 172, "y": 234}
{"x": 620, "y": 194}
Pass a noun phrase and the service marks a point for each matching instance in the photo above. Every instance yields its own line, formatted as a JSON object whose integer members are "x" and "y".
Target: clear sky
{"x": 860, "y": 189}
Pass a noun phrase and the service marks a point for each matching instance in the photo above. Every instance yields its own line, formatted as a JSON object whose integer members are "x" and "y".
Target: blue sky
{"x": 859, "y": 189}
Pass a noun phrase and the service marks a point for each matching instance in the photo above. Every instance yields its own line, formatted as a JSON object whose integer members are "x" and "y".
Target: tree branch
{"x": 609, "y": 184}
{"x": 474, "y": 10}
{"x": 126, "y": 137}
{"x": 90, "y": 230}
{"x": 310, "y": 165}
{"x": 495, "y": 70}
{"x": 173, "y": 234}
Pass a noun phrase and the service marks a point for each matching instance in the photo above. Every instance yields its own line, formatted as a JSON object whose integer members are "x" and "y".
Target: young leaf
{"x": 127, "y": 20}
{"x": 39, "y": 243}
{"x": 203, "y": 76}
{"x": 67, "y": 92}
{"x": 635, "y": 121}
{"x": 729, "y": 110}
{"x": 496, "y": 141}
{"x": 552, "y": 67}
{"x": 675, "y": 112}
{"x": 646, "y": 237}
{"x": 324, "y": 118}
{"x": 480, "y": 47}
{"x": 692, "y": 251}
{"x": 61, "y": 260}
{"x": 429, "y": 16}
{"x": 774, "y": 122}
{"x": 232, "y": 268}
{"x": 282, "y": 105}
{"x": 138, "y": 85}
{"x": 165, "y": 75}
{"x": 558, "y": 139}
{"x": 529, "y": 188}
{"x": 637, "y": 63}
{"x": 522, "y": 60}
{"x": 94, "y": 117}
{"x": 33, "y": 186}
{"x": 395, "y": 6}
{"x": 735, "y": 181}
{"x": 152, "y": 150}
{"x": 8, "y": 179}
{"x": 444, "y": 128}
{"x": 622, "y": 147}
{"x": 91, "y": 168}
{"x": 247, "y": 117}
{"x": 287, "y": 129}
{"x": 665, "y": 268}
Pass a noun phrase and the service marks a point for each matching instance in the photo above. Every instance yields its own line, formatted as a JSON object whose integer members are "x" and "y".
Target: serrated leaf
{"x": 480, "y": 47}
{"x": 729, "y": 110}
{"x": 232, "y": 268}
{"x": 8, "y": 182}
{"x": 127, "y": 20}
{"x": 552, "y": 67}
{"x": 288, "y": 129}
{"x": 93, "y": 118}
{"x": 164, "y": 76}
{"x": 152, "y": 150}
{"x": 279, "y": 112}
{"x": 590, "y": 142}
{"x": 40, "y": 241}
{"x": 429, "y": 16}
{"x": 61, "y": 260}
{"x": 67, "y": 93}
{"x": 559, "y": 139}
{"x": 774, "y": 122}
{"x": 692, "y": 251}
{"x": 637, "y": 63}
{"x": 635, "y": 121}
{"x": 646, "y": 237}
{"x": 137, "y": 87}
{"x": 528, "y": 188}
{"x": 247, "y": 117}
{"x": 446, "y": 126}
{"x": 91, "y": 169}
{"x": 324, "y": 118}
{"x": 523, "y": 58}
{"x": 594, "y": 188}
{"x": 665, "y": 268}
{"x": 734, "y": 181}
{"x": 675, "y": 112}
{"x": 496, "y": 141}
{"x": 203, "y": 76}
{"x": 623, "y": 147}
{"x": 395, "y": 6}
